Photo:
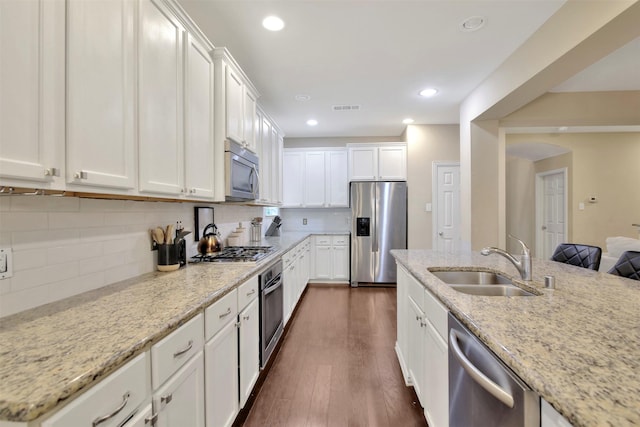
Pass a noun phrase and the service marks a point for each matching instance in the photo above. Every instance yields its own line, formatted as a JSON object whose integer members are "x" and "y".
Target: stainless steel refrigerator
{"x": 378, "y": 224}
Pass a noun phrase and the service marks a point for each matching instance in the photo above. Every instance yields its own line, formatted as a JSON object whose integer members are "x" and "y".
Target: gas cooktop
{"x": 236, "y": 254}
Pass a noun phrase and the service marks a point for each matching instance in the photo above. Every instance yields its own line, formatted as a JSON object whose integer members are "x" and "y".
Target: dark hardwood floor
{"x": 337, "y": 365}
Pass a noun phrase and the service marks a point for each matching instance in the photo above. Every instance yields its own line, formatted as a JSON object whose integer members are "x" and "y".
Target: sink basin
{"x": 460, "y": 277}
{"x": 481, "y": 283}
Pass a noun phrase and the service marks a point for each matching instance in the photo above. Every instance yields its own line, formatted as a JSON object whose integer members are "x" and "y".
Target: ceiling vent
{"x": 345, "y": 107}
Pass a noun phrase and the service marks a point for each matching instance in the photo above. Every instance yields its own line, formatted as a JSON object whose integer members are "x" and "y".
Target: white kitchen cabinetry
{"x": 101, "y": 98}
{"x": 549, "y": 417}
{"x": 160, "y": 70}
{"x": 331, "y": 258}
{"x": 277, "y": 172}
{"x": 250, "y": 120}
{"x": 114, "y": 398}
{"x": 140, "y": 419}
{"x": 377, "y": 162}
{"x": 32, "y": 97}
{"x": 249, "y": 337}
{"x": 422, "y": 346}
{"x": 295, "y": 265}
{"x": 198, "y": 125}
{"x": 269, "y": 141}
{"x": 315, "y": 178}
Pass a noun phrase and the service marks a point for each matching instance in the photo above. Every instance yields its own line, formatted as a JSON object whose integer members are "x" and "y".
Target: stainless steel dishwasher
{"x": 482, "y": 390}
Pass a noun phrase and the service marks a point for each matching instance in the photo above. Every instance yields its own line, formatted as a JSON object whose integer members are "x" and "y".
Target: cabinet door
{"x": 392, "y": 163}
{"x": 340, "y": 257}
{"x": 416, "y": 347}
{"x": 266, "y": 143}
{"x": 436, "y": 378}
{"x": 160, "y": 65}
{"x": 322, "y": 262}
{"x": 314, "y": 182}
{"x": 293, "y": 175}
{"x": 289, "y": 284}
{"x": 249, "y": 349}
{"x": 180, "y": 402}
{"x": 101, "y": 93}
{"x": 250, "y": 121}
{"x": 198, "y": 126}
{"x": 234, "y": 94}
{"x": 141, "y": 418}
{"x": 402, "y": 341}
{"x": 32, "y": 88}
{"x": 337, "y": 177}
{"x": 363, "y": 163}
{"x": 221, "y": 377}
{"x": 276, "y": 175}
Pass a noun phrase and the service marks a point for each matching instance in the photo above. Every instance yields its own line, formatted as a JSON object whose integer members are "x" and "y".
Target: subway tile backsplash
{"x": 63, "y": 246}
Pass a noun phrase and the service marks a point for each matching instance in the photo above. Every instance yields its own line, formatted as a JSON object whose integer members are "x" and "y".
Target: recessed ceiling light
{"x": 312, "y": 122}
{"x": 429, "y": 92}
{"x": 273, "y": 23}
{"x": 408, "y": 121}
{"x": 473, "y": 23}
{"x": 302, "y": 97}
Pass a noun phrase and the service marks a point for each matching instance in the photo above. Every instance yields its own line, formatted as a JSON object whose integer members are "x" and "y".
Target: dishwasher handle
{"x": 477, "y": 375}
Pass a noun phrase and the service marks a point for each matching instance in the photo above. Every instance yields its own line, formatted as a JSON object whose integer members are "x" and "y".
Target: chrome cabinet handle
{"x": 81, "y": 175}
{"x": 100, "y": 420}
{"x": 166, "y": 399}
{"x": 52, "y": 172}
{"x": 183, "y": 351}
{"x": 245, "y": 317}
{"x": 253, "y": 291}
{"x": 493, "y": 388}
{"x": 225, "y": 314}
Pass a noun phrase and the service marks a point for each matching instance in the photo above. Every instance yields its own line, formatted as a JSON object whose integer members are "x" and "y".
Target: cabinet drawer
{"x": 120, "y": 393}
{"x": 173, "y": 351}
{"x": 416, "y": 291}
{"x": 220, "y": 313}
{"x": 323, "y": 240}
{"x": 436, "y": 314}
{"x": 247, "y": 292}
{"x": 288, "y": 258}
{"x": 340, "y": 240}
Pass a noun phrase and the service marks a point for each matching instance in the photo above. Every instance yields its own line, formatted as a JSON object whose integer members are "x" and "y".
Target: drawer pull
{"x": 100, "y": 420}
{"x": 225, "y": 314}
{"x": 183, "y": 351}
{"x": 166, "y": 399}
{"x": 253, "y": 291}
{"x": 245, "y": 317}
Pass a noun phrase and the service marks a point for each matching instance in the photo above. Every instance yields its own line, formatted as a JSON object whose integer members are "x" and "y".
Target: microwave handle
{"x": 254, "y": 189}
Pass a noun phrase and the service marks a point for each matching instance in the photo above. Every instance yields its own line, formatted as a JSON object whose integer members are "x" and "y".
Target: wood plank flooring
{"x": 337, "y": 365}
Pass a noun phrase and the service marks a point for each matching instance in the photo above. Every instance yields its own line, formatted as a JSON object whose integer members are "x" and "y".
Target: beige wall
{"x": 426, "y": 144}
{"x": 520, "y": 205}
{"x": 605, "y": 165}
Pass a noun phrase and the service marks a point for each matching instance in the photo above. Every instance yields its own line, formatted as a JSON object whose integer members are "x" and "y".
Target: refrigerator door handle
{"x": 374, "y": 220}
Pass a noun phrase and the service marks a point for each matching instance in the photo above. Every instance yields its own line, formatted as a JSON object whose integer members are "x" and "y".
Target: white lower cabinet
{"x": 141, "y": 418}
{"x": 331, "y": 258}
{"x": 249, "y": 349}
{"x": 549, "y": 417}
{"x": 221, "y": 376}
{"x": 112, "y": 401}
{"x": 295, "y": 275}
{"x": 180, "y": 401}
{"x": 422, "y": 347}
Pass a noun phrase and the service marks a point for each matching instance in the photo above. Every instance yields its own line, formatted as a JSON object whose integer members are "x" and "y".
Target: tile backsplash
{"x": 63, "y": 246}
{"x": 317, "y": 220}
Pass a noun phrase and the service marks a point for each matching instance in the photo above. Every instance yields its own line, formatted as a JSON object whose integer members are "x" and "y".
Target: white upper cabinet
{"x": 314, "y": 179}
{"x": 337, "y": 180}
{"x": 293, "y": 177}
{"x": 198, "y": 126}
{"x": 265, "y": 157}
{"x": 234, "y": 95}
{"x": 160, "y": 67}
{"x": 101, "y": 93}
{"x": 269, "y": 143}
{"x": 250, "y": 119}
{"x": 377, "y": 162}
{"x": 32, "y": 85}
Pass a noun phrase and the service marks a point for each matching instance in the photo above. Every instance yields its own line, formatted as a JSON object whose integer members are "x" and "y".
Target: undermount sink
{"x": 481, "y": 283}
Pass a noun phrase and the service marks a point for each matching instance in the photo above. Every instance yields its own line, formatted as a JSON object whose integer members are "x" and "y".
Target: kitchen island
{"x": 53, "y": 353}
{"x": 577, "y": 346}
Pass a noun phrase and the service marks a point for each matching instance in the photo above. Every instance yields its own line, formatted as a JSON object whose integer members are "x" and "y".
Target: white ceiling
{"x": 376, "y": 54}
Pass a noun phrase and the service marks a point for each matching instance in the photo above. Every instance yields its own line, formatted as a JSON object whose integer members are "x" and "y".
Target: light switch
{"x": 6, "y": 261}
{"x": 581, "y": 206}
{"x": 428, "y": 207}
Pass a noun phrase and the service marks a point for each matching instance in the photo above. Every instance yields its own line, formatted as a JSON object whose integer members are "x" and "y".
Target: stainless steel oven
{"x": 242, "y": 181}
{"x": 271, "y": 311}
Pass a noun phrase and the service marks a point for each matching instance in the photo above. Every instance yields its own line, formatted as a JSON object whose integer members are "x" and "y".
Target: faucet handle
{"x": 525, "y": 248}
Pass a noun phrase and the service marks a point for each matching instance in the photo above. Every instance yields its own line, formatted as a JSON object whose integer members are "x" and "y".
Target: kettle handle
{"x": 204, "y": 232}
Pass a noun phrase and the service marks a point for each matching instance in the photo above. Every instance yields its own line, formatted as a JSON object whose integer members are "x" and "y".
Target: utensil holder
{"x": 256, "y": 232}
{"x": 169, "y": 257}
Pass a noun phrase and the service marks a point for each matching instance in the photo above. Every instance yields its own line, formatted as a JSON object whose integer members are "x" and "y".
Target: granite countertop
{"x": 51, "y": 353}
{"x": 578, "y": 346}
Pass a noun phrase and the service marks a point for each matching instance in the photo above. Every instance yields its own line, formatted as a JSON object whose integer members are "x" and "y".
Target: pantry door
{"x": 551, "y": 211}
{"x": 446, "y": 206}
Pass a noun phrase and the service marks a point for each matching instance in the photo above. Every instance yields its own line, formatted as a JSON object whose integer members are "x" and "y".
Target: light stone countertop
{"x": 50, "y": 354}
{"x": 578, "y": 346}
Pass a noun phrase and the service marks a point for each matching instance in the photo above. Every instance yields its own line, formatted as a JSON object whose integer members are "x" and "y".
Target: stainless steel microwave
{"x": 242, "y": 180}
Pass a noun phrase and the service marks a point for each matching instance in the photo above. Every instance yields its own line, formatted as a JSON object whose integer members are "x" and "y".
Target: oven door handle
{"x": 273, "y": 288}
{"x": 475, "y": 373}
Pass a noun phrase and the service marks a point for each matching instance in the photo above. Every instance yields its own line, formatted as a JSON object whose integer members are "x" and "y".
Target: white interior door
{"x": 446, "y": 209}
{"x": 551, "y": 211}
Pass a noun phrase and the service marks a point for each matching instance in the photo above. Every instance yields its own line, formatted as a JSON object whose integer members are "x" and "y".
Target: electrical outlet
{"x": 304, "y": 221}
{"x": 6, "y": 263}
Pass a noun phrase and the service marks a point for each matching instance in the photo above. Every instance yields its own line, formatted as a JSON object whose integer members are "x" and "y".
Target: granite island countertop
{"x": 53, "y": 353}
{"x": 577, "y": 346}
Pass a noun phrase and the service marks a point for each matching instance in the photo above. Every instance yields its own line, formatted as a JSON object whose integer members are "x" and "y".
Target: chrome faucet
{"x": 523, "y": 266}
